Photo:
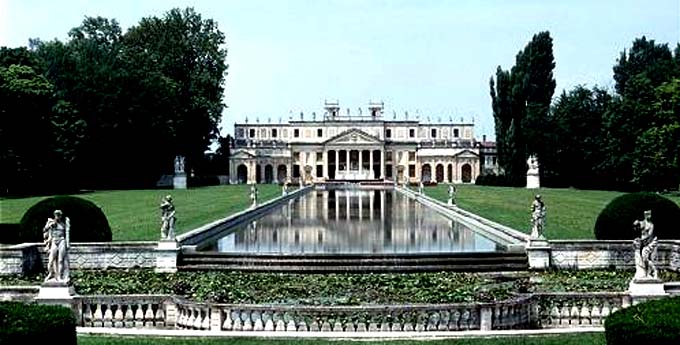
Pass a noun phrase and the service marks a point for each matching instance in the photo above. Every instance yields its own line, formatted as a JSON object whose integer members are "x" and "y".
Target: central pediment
{"x": 353, "y": 136}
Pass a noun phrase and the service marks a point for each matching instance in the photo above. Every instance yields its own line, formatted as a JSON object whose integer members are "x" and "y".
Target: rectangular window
{"x": 411, "y": 156}
{"x": 388, "y": 133}
{"x": 319, "y": 171}
{"x": 296, "y": 170}
{"x": 251, "y": 133}
{"x": 455, "y": 133}
{"x": 274, "y": 133}
{"x": 433, "y": 133}
{"x": 319, "y": 132}
{"x": 388, "y": 170}
{"x": 319, "y": 156}
{"x": 412, "y": 170}
{"x": 296, "y": 133}
{"x": 411, "y": 133}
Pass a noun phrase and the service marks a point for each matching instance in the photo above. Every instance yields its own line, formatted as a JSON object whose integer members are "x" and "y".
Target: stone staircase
{"x": 324, "y": 263}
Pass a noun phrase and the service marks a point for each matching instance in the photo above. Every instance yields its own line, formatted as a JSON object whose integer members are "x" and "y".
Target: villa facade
{"x": 355, "y": 147}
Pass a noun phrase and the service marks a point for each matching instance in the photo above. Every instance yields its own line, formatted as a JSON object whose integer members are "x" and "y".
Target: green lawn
{"x": 134, "y": 214}
{"x": 564, "y": 339}
{"x": 571, "y": 212}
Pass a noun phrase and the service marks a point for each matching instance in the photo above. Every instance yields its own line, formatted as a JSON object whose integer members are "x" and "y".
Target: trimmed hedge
{"x": 33, "y": 323}
{"x": 88, "y": 222}
{"x": 499, "y": 181}
{"x": 655, "y": 322}
{"x": 615, "y": 222}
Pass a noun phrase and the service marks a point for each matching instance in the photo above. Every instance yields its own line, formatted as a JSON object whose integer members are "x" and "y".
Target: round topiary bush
{"x": 655, "y": 322}
{"x": 615, "y": 222}
{"x": 88, "y": 222}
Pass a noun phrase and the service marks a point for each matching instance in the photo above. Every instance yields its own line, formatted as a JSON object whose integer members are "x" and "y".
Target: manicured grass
{"x": 563, "y": 339}
{"x": 134, "y": 214}
{"x": 571, "y": 212}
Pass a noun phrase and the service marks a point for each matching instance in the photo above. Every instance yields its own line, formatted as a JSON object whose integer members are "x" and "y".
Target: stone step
{"x": 364, "y": 269}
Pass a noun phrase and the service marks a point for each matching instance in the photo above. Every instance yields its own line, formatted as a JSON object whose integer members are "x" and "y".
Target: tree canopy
{"x": 111, "y": 108}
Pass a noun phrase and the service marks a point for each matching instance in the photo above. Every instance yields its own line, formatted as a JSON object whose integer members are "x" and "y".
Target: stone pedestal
{"x": 533, "y": 181}
{"x": 56, "y": 293}
{"x": 166, "y": 256}
{"x": 538, "y": 252}
{"x": 179, "y": 181}
{"x": 645, "y": 289}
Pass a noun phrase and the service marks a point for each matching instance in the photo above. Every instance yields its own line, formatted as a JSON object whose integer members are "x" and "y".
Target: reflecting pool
{"x": 352, "y": 222}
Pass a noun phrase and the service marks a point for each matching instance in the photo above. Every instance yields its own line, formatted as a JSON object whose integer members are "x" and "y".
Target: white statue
{"x": 421, "y": 187}
{"x": 284, "y": 189}
{"x": 532, "y": 162}
{"x": 452, "y": 195}
{"x": 533, "y": 176}
{"x": 253, "y": 195}
{"x": 168, "y": 218}
{"x": 56, "y": 235}
{"x": 538, "y": 213}
{"x": 179, "y": 165}
{"x": 645, "y": 248}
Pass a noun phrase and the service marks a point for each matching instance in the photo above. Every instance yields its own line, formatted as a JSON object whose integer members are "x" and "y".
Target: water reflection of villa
{"x": 354, "y": 221}
{"x": 358, "y": 147}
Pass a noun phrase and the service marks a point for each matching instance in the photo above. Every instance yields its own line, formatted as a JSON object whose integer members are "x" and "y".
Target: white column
{"x": 325, "y": 164}
{"x": 347, "y": 161}
{"x": 370, "y": 163}
{"x": 361, "y": 168}
{"x": 382, "y": 164}
{"x": 361, "y": 206}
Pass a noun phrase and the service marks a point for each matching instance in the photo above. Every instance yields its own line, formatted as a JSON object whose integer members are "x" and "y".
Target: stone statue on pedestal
{"x": 253, "y": 195}
{"x": 56, "y": 235}
{"x": 168, "y": 218}
{"x": 421, "y": 187}
{"x": 538, "y": 212}
{"x": 452, "y": 195}
{"x": 645, "y": 248}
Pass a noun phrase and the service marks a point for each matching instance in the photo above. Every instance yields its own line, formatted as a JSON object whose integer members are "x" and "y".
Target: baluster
{"x": 148, "y": 315}
{"x": 443, "y": 321}
{"x": 98, "y": 316}
{"x": 555, "y": 315}
{"x": 206, "y": 319}
{"x": 87, "y": 315}
{"x": 259, "y": 325}
{"x": 247, "y": 324}
{"x": 238, "y": 321}
{"x": 326, "y": 326}
{"x": 228, "y": 323}
{"x": 159, "y": 318}
{"x": 605, "y": 311}
{"x": 585, "y": 315}
{"x": 129, "y": 318}
{"x": 118, "y": 317}
{"x": 465, "y": 319}
{"x": 314, "y": 326}
{"x": 564, "y": 314}
{"x": 108, "y": 316}
{"x": 574, "y": 314}
{"x": 454, "y": 322}
{"x": 182, "y": 320}
{"x": 596, "y": 318}
{"x": 191, "y": 318}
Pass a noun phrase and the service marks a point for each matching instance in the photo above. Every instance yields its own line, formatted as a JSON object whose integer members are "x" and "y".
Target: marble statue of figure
{"x": 284, "y": 189}
{"x": 452, "y": 194}
{"x": 168, "y": 218}
{"x": 56, "y": 235}
{"x": 421, "y": 187}
{"x": 302, "y": 116}
{"x": 645, "y": 248}
{"x": 538, "y": 212}
{"x": 313, "y": 116}
{"x": 532, "y": 162}
{"x": 179, "y": 165}
{"x": 394, "y": 115}
{"x": 253, "y": 195}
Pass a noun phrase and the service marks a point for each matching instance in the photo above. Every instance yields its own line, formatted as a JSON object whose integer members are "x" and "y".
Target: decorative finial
{"x": 394, "y": 115}
{"x": 246, "y": 119}
{"x": 302, "y": 116}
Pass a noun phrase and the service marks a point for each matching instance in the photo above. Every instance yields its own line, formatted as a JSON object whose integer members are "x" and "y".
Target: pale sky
{"x": 431, "y": 56}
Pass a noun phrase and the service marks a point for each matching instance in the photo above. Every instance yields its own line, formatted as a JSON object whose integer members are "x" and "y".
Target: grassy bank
{"x": 134, "y": 215}
{"x": 571, "y": 212}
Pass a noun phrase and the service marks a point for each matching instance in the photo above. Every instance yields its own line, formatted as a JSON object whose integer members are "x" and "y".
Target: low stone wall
{"x": 209, "y": 231}
{"x": 30, "y": 257}
{"x": 592, "y": 254}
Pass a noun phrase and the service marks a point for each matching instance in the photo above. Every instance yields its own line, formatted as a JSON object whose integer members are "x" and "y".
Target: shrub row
{"x": 615, "y": 222}
{"x": 33, "y": 323}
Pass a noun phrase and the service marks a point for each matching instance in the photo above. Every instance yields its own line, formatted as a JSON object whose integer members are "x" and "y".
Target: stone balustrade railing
{"x": 559, "y": 310}
{"x": 126, "y": 311}
{"x": 395, "y": 318}
{"x": 540, "y": 310}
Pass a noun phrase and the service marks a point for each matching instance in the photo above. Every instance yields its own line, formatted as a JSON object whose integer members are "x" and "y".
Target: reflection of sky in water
{"x": 353, "y": 221}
